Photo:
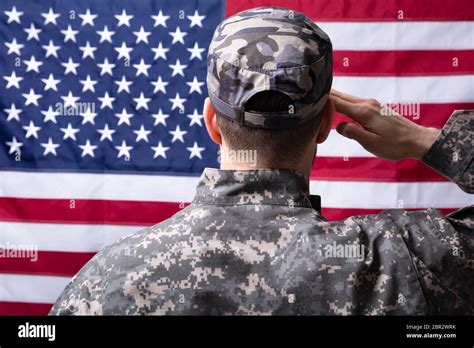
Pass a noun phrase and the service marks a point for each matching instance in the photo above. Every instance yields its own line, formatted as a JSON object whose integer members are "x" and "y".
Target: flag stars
{"x": 142, "y": 134}
{"x": 160, "y": 51}
{"x": 106, "y": 133}
{"x": 160, "y": 150}
{"x": 32, "y": 64}
{"x": 105, "y": 35}
{"x": 50, "y": 147}
{"x": 106, "y": 67}
{"x": 160, "y": 118}
{"x": 13, "y": 113}
{"x": 69, "y": 132}
{"x": 31, "y": 130}
{"x": 14, "y": 47}
{"x": 123, "y": 51}
{"x": 88, "y": 50}
{"x": 87, "y": 149}
{"x": 14, "y": 146}
{"x": 195, "y": 151}
{"x": 70, "y": 100}
{"x": 142, "y": 35}
{"x": 195, "y": 19}
{"x": 123, "y": 19}
{"x": 13, "y": 15}
{"x": 51, "y": 50}
{"x": 89, "y": 117}
{"x": 195, "y": 118}
{"x": 124, "y": 117}
{"x": 87, "y": 18}
{"x": 88, "y": 84}
{"x": 178, "y": 36}
{"x": 142, "y": 68}
{"x": 178, "y": 68}
{"x": 70, "y": 67}
{"x": 195, "y": 86}
{"x": 50, "y": 83}
{"x": 50, "y": 17}
{"x": 69, "y": 34}
{"x": 160, "y": 85}
{"x": 124, "y": 150}
{"x": 123, "y": 85}
{"x": 178, "y": 134}
{"x": 31, "y": 97}
{"x": 13, "y": 80}
{"x": 33, "y": 32}
{"x": 196, "y": 52}
{"x": 177, "y": 102}
{"x": 160, "y": 19}
{"x": 50, "y": 115}
{"x": 142, "y": 102}
{"x": 106, "y": 101}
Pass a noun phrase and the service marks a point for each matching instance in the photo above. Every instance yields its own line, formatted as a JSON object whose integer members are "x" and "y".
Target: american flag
{"x": 102, "y": 130}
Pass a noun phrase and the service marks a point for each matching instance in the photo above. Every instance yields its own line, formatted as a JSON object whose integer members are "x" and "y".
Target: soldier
{"x": 253, "y": 240}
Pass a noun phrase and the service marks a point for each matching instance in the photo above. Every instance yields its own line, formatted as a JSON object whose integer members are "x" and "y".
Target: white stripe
{"x": 338, "y": 146}
{"x": 409, "y": 89}
{"x": 345, "y": 194}
{"x": 400, "y": 35}
{"x": 60, "y": 237}
{"x": 31, "y": 289}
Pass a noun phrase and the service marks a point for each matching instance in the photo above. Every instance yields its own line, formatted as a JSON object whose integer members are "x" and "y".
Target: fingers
{"x": 355, "y": 111}
{"x": 346, "y": 97}
{"x": 367, "y": 139}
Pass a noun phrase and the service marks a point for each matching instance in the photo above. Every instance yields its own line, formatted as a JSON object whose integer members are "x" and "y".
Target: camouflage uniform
{"x": 254, "y": 241}
{"x": 251, "y": 243}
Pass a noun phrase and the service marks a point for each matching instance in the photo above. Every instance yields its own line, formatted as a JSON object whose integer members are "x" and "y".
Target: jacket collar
{"x": 262, "y": 186}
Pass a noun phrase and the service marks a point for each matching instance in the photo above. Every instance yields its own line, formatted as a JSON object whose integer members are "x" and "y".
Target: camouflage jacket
{"x": 251, "y": 243}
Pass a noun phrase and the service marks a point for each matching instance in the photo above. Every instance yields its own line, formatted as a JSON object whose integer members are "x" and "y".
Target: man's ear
{"x": 326, "y": 122}
{"x": 210, "y": 119}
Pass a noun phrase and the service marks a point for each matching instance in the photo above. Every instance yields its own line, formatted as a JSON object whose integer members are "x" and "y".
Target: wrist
{"x": 423, "y": 141}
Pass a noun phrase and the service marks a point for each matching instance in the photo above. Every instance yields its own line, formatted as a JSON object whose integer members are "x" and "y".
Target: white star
{"x": 50, "y": 17}
{"x": 31, "y": 98}
{"x": 195, "y": 86}
{"x": 196, "y": 19}
{"x": 88, "y": 84}
{"x": 178, "y": 134}
{"x": 69, "y": 132}
{"x": 177, "y": 102}
{"x": 142, "y": 35}
{"x": 70, "y": 100}
{"x": 89, "y": 117}
{"x": 142, "y": 102}
{"x": 195, "y": 118}
{"x": 50, "y": 147}
{"x": 13, "y": 15}
{"x": 106, "y": 133}
{"x": 50, "y": 115}
{"x": 178, "y": 68}
{"x": 69, "y": 34}
{"x": 31, "y": 130}
{"x": 124, "y": 150}
{"x": 123, "y": 85}
{"x": 88, "y": 149}
{"x": 13, "y": 80}
{"x": 160, "y": 117}
{"x": 123, "y": 51}
{"x": 160, "y": 51}
{"x": 196, "y": 52}
{"x": 178, "y": 36}
{"x": 106, "y": 35}
{"x": 160, "y": 85}
{"x": 142, "y": 134}
{"x": 195, "y": 151}
{"x": 88, "y": 51}
{"x": 87, "y": 18}
{"x": 14, "y": 146}
{"x": 106, "y": 67}
{"x": 160, "y": 150}
{"x": 160, "y": 19}
{"x": 32, "y": 64}
{"x": 123, "y": 19}
{"x": 142, "y": 68}
{"x": 51, "y": 50}
{"x": 13, "y": 113}
{"x": 70, "y": 67}
{"x": 14, "y": 47}
{"x": 50, "y": 83}
{"x": 106, "y": 101}
{"x": 124, "y": 117}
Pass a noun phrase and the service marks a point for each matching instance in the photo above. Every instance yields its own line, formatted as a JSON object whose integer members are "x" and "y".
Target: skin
{"x": 390, "y": 137}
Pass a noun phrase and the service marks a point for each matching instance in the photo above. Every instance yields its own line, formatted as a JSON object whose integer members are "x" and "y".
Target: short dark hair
{"x": 273, "y": 145}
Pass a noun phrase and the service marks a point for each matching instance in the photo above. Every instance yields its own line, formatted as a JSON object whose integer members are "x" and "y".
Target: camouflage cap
{"x": 269, "y": 49}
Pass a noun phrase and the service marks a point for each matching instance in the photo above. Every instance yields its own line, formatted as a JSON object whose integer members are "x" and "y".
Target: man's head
{"x": 269, "y": 77}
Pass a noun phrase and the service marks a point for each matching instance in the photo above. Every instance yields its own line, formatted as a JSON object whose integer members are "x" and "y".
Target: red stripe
{"x": 336, "y": 214}
{"x": 372, "y": 169}
{"x": 429, "y": 115}
{"x": 403, "y": 63}
{"x": 368, "y": 10}
{"x": 22, "y": 308}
